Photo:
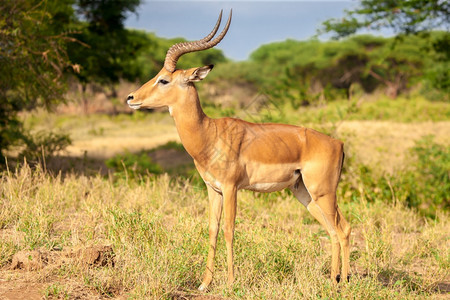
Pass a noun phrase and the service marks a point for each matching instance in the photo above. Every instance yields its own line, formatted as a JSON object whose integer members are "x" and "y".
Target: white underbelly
{"x": 270, "y": 178}
{"x": 267, "y": 187}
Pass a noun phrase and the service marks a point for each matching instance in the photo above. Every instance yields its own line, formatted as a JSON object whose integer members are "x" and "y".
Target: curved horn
{"x": 214, "y": 31}
{"x": 177, "y": 50}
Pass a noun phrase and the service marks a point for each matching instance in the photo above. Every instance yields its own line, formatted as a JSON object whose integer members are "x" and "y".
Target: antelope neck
{"x": 195, "y": 128}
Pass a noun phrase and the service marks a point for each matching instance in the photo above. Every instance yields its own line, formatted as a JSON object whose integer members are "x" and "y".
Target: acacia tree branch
{"x": 379, "y": 77}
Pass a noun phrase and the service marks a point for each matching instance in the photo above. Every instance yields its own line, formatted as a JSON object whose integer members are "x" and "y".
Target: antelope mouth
{"x": 135, "y": 105}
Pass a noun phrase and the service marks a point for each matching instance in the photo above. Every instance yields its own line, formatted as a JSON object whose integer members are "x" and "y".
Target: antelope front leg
{"x": 215, "y": 212}
{"x": 229, "y": 195}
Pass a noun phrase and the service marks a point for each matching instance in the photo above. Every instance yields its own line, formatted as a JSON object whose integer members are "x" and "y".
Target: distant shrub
{"x": 428, "y": 182}
{"x": 170, "y": 145}
{"x": 423, "y": 185}
{"x": 44, "y": 144}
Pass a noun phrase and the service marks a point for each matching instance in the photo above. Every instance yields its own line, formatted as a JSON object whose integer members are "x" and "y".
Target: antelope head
{"x": 169, "y": 84}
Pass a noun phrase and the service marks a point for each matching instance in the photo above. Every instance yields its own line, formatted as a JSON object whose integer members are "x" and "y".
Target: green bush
{"x": 133, "y": 166}
{"x": 429, "y": 179}
{"x": 44, "y": 144}
{"x": 424, "y": 185}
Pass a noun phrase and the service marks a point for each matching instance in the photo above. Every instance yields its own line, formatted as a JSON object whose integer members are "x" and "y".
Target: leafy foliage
{"x": 405, "y": 17}
{"x": 42, "y": 40}
{"x": 106, "y": 49}
{"x": 304, "y": 72}
{"x": 430, "y": 177}
{"x": 44, "y": 144}
{"x": 424, "y": 185}
{"x": 33, "y": 59}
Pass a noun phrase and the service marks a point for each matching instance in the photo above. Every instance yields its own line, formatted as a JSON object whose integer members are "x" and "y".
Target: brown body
{"x": 232, "y": 154}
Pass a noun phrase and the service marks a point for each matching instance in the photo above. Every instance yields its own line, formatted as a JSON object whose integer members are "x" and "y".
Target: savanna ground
{"x": 87, "y": 233}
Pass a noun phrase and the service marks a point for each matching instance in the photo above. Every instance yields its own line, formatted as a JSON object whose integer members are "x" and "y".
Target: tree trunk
{"x": 392, "y": 88}
{"x": 113, "y": 95}
{"x": 84, "y": 98}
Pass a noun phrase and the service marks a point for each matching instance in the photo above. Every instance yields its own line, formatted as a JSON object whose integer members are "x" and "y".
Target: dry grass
{"x": 103, "y": 135}
{"x": 385, "y": 143}
{"x": 376, "y": 143}
{"x": 157, "y": 228}
{"x": 158, "y": 233}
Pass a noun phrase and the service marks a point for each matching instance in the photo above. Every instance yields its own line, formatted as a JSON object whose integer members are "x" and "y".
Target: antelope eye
{"x": 163, "y": 81}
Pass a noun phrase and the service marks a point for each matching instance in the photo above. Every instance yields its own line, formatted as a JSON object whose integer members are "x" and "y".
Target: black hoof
{"x": 338, "y": 278}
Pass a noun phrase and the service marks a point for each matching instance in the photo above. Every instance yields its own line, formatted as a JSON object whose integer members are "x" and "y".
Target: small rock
{"x": 29, "y": 260}
{"x": 99, "y": 256}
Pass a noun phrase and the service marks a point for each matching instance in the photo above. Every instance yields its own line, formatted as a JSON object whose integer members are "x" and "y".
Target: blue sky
{"x": 254, "y": 22}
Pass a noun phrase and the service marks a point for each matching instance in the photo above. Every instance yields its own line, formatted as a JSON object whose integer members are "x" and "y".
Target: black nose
{"x": 130, "y": 97}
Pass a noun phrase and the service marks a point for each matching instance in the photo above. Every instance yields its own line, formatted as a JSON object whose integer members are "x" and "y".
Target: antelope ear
{"x": 199, "y": 73}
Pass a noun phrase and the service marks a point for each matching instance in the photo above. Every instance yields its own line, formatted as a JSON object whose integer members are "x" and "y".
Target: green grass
{"x": 384, "y": 109}
{"x": 405, "y": 110}
{"x": 158, "y": 231}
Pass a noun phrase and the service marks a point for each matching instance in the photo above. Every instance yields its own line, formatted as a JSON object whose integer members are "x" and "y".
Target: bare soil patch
{"x": 91, "y": 256}
{"x": 29, "y": 260}
{"x": 19, "y": 290}
{"x": 22, "y": 279}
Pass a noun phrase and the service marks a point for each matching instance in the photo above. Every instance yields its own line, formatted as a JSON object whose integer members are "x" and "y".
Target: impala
{"x": 231, "y": 154}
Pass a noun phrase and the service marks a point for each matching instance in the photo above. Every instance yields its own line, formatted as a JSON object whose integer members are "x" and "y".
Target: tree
{"x": 33, "y": 59}
{"x": 397, "y": 68}
{"x": 395, "y": 64}
{"x": 305, "y": 71}
{"x": 107, "y": 51}
{"x": 404, "y": 17}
